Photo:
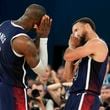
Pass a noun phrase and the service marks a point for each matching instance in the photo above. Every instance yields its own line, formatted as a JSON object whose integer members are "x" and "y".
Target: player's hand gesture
{"x": 73, "y": 41}
{"x": 43, "y": 29}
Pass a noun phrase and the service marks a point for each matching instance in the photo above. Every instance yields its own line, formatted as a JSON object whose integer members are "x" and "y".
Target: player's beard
{"x": 83, "y": 39}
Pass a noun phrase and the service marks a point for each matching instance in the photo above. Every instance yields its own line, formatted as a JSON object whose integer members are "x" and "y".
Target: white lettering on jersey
{"x": 2, "y": 37}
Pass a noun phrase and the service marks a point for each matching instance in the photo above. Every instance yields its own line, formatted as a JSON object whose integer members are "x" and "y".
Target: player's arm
{"x": 24, "y": 45}
{"x": 43, "y": 30}
{"x": 72, "y": 54}
{"x": 68, "y": 71}
{"x": 70, "y": 66}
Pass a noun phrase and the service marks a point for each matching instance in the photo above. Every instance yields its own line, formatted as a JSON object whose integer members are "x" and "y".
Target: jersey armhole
{"x": 18, "y": 35}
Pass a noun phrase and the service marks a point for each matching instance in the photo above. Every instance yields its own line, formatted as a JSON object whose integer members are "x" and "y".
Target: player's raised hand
{"x": 73, "y": 41}
{"x": 43, "y": 29}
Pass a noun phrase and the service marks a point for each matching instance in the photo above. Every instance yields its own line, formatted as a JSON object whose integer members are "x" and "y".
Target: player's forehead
{"x": 77, "y": 25}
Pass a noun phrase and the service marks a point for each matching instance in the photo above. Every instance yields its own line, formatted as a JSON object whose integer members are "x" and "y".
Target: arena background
{"x": 63, "y": 13}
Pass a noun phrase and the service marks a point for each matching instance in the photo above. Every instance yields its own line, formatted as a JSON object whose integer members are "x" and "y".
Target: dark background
{"x": 63, "y": 13}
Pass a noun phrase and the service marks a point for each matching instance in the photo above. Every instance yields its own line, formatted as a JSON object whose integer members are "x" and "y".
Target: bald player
{"x": 16, "y": 48}
{"x": 90, "y": 53}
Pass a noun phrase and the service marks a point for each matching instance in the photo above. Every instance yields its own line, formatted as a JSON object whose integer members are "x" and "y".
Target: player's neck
{"x": 92, "y": 35}
{"x": 23, "y": 23}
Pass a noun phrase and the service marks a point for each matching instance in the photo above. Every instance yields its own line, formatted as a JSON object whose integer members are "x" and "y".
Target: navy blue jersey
{"x": 89, "y": 76}
{"x": 12, "y": 69}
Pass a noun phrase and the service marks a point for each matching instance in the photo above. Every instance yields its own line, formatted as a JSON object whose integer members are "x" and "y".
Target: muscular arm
{"x": 77, "y": 53}
{"x": 25, "y": 46}
{"x": 34, "y": 53}
{"x": 95, "y": 48}
{"x": 68, "y": 71}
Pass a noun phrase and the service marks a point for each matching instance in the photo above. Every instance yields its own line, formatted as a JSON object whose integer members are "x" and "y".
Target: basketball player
{"x": 16, "y": 48}
{"x": 90, "y": 53}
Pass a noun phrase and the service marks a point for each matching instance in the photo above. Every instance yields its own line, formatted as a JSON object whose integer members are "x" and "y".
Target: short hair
{"x": 35, "y": 11}
{"x": 87, "y": 20}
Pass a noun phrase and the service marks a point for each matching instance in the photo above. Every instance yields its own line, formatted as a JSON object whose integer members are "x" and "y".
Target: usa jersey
{"x": 89, "y": 76}
{"x": 12, "y": 71}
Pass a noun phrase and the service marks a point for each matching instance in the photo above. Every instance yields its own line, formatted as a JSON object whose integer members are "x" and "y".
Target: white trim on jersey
{"x": 88, "y": 73}
{"x": 17, "y": 54}
{"x": 23, "y": 80}
{"x": 26, "y": 105}
{"x": 87, "y": 82}
{"x": 81, "y": 101}
{"x": 15, "y": 25}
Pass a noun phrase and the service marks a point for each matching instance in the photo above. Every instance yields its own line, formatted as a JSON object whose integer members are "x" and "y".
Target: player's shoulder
{"x": 97, "y": 42}
{"x": 100, "y": 45}
{"x": 23, "y": 44}
{"x": 21, "y": 37}
{"x": 22, "y": 40}
{"x": 101, "y": 42}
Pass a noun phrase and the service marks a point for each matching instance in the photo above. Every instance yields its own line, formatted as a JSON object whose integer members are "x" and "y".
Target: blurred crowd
{"x": 48, "y": 92}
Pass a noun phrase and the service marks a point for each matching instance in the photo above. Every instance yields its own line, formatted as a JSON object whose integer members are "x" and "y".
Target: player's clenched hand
{"x": 73, "y": 41}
